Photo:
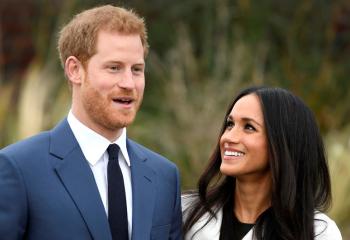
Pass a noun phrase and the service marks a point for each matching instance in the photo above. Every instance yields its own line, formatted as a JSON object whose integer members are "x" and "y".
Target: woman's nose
{"x": 232, "y": 135}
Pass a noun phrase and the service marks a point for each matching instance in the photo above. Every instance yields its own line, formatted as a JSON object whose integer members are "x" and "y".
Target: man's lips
{"x": 123, "y": 100}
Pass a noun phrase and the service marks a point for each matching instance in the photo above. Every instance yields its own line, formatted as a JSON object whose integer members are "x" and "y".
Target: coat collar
{"x": 76, "y": 176}
{"x": 143, "y": 191}
{"x": 210, "y": 231}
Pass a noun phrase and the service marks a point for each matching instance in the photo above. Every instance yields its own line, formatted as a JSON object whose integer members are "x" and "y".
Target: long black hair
{"x": 299, "y": 170}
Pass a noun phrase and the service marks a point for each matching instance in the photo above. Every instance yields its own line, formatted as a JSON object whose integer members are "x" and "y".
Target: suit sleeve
{"x": 176, "y": 226}
{"x": 13, "y": 213}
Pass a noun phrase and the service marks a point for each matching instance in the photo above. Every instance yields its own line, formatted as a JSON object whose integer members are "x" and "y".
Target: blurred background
{"x": 202, "y": 53}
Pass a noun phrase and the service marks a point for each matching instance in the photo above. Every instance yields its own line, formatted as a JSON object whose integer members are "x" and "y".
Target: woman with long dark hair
{"x": 268, "y": 176}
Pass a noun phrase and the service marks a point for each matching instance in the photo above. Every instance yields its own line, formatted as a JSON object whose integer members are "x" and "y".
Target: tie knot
{"x": 113, "y": 150}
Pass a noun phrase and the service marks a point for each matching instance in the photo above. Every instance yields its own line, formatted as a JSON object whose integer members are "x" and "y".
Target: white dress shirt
{"x": 94, "y": 147}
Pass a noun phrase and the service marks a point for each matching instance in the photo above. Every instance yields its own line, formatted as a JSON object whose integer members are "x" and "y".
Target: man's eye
{"x": 137, "y": 69}
{"x": 114, "y": 68}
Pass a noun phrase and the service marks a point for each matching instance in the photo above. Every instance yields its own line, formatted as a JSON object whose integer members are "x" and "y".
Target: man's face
{"x": 112, "y": 87}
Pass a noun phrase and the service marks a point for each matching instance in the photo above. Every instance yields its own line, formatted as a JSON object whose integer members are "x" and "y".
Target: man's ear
{"x": 74, "y": 70}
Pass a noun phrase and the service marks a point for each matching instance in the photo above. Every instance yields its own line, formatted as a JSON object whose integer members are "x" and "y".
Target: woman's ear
{"x": 74, "y": 70}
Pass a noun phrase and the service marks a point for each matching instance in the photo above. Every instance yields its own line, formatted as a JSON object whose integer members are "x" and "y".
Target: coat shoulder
{"x": 326, "y": 228}
{"x": 207, "y": 227}
{"x": 27, "y": 147}
{"x": 155, "y": 159}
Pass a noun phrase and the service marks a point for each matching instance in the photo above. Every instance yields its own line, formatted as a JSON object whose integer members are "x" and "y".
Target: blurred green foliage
{"x": 202, "y": 53}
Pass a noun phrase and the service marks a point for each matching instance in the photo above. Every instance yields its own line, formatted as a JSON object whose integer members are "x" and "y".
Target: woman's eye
{"x": 250, "y": 127}
{"x": 229, "y": 124}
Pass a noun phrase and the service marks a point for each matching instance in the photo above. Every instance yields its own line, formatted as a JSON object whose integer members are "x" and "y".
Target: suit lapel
{"x": 77, "y": 177}
{"x": 143, "y": 192}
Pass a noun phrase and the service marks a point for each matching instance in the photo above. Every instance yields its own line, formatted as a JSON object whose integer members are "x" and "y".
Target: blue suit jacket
{"x": 48, "y": 192}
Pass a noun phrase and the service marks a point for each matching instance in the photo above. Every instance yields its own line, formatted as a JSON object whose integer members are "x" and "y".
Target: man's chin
{"x": 122, "y": 123}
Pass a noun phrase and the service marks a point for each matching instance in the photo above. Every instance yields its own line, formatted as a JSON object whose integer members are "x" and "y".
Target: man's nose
{"x": 127, "y": 80}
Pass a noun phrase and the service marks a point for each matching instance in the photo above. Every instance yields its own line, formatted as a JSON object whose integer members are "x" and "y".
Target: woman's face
{"x": 243, "y": 145}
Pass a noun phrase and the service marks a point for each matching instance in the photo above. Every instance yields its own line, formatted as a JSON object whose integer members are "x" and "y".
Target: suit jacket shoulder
{"x": 154, "y": 160}
{"x": 47, "y": 176}
{"x": 27, "y": 147}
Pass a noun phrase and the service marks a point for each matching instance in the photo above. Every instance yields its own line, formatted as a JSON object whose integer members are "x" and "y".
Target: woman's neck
{"x": 251, "y": 198}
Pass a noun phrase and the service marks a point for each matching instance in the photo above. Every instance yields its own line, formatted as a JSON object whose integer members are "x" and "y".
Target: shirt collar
{"x": 92, "y": 144}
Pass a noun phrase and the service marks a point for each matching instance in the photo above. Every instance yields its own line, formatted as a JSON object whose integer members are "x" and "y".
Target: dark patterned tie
{"x": 117, "y": 211}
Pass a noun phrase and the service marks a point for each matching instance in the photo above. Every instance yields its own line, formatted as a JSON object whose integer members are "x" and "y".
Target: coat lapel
{"x": 211, "y": 230}
{"x": 202, "y": 230}
{"x": 143, "y": 192}
{"x": 77, "y": 177}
